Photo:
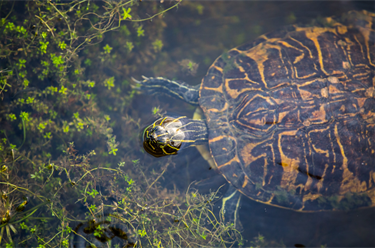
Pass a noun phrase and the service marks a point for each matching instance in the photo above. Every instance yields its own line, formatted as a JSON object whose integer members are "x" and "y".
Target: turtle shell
{"x": 291, "y": 115}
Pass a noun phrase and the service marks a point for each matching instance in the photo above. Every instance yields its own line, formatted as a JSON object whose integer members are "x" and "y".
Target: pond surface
{"x": 201, "y": 38}
{"x": 180, "y": 45}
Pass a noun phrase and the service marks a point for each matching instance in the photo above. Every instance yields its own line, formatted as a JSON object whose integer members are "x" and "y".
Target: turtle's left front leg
{"x": 180, "y": 90}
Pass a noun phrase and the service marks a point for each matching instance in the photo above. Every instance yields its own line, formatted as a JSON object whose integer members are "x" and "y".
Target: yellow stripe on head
{"x": 161, "y": 123}
{"x": 153, "y": 148}
{"x": 173, "y": 147}
{"x": 167, "y": 153}
{"x": 187, "y": 141}
{"x": 174, "y": 120}
{"x": 160, "y": 135}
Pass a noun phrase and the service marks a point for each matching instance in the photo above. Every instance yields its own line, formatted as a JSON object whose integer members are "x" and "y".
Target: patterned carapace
{"x": 291, "y": 115}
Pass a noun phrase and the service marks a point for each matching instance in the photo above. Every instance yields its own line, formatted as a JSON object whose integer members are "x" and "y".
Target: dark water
{"x": 226, "y": 25}
{"x": 198, "y": 31}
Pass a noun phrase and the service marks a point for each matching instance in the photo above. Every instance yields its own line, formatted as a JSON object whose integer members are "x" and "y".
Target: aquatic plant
{"x": 62, "y": 88}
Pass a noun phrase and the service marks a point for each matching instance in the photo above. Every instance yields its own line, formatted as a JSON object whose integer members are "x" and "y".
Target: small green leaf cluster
{"x": 126, "y": 14}
{"x": 107, "y": 49}
{"x": 112, "y": 145}
{"x": 140, "y": 31}
{"x": 62, "y": 45}
{"x": 93, "y": 193}
{"x": 109, "y": 82}
{"x": 129, "y": 46}
{"x": 63, "y": 90}
{"x": 158, "y": 45}
{"x": 142, "y": 233}
{"x": 43, "y": 46}
{"x": 57, "y": 60}
{"x": 11, "y": 117}
{"x": 98, "y": 231}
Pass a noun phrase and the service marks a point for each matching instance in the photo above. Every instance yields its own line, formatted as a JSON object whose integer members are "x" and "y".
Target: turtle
{"x": 289, "y": 118}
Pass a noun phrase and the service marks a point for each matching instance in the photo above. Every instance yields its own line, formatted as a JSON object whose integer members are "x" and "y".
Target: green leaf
{"x": 29, "y": 100}
{"x": 113, "y": 151}
{"x": 126, "y": 14}
{"x": 140, "y": 31}
{"x": 110, "y": 82}
{"x": 142, "y": 233}
{"x": 43, "y": 46}
{"x": 129, "y": 45}
{"x": 88, "y": 62}
{"x": 158, "y": 45}
{"x": 24, "y": 116}
{"x": 62, "y": 45}
{"x": 93, "y": 193}
{"x": 63, "y": 90}
{"x": 12, "y": 117}
{"x": 107, "y": 49}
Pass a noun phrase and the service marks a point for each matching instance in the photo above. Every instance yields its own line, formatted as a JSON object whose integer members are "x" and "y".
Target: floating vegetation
{"x": 188, "y": 67}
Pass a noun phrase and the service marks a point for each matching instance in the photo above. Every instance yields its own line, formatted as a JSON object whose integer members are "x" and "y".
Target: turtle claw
{"x": 144, "y": 86}
{"x": 134, "y": 86}
{"x": 135, "y": 80}
{"x": 140, "y": 84}
{"x": 139, "y": 81}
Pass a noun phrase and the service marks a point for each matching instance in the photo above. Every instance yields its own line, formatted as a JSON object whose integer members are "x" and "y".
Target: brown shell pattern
{"x": 291, "y": 116}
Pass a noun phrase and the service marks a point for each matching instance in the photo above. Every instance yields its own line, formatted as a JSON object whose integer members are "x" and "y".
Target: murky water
{"x": 194, "y": 35}
{"x": 202, "y": 38}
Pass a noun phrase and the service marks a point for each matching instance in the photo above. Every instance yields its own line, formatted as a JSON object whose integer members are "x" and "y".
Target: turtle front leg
{"x": 180, "y": 90}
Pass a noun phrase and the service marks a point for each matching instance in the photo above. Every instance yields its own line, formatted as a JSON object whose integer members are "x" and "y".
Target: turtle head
{"x": 167, "y": 135}
{"x": 164, "y": 136}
